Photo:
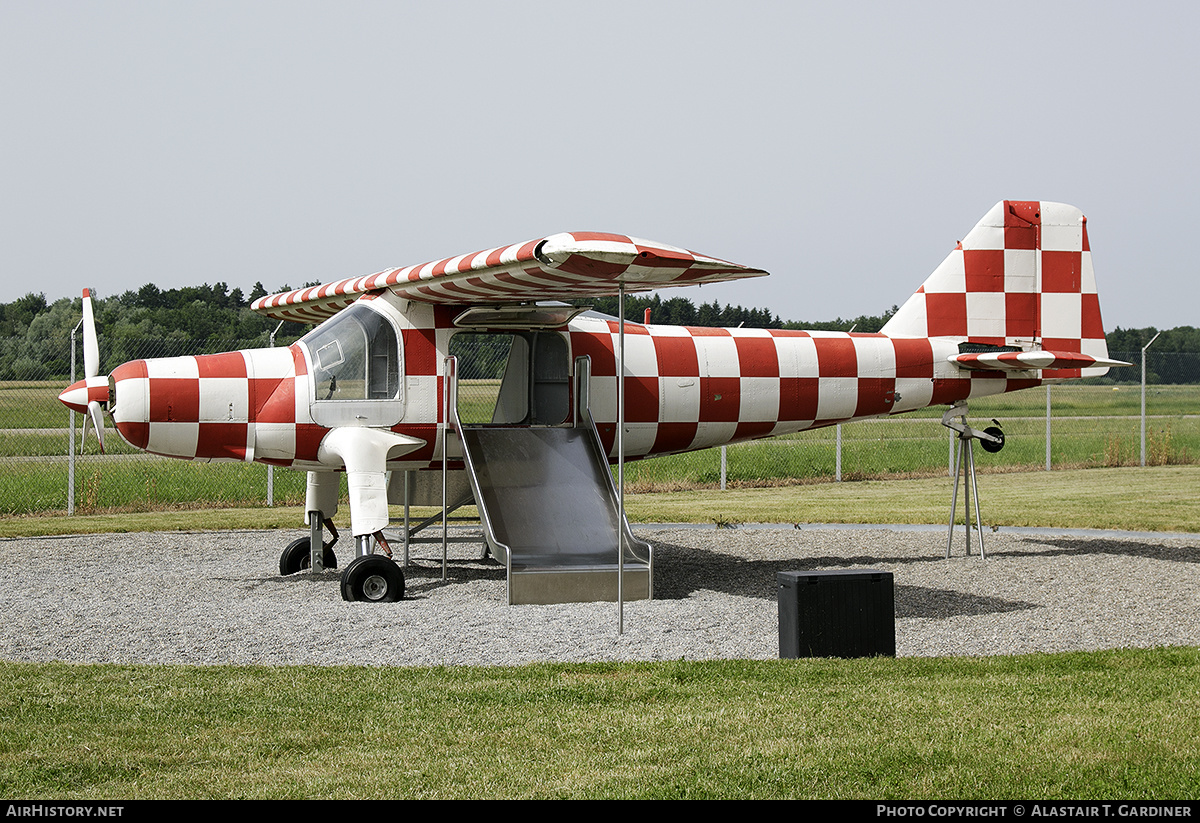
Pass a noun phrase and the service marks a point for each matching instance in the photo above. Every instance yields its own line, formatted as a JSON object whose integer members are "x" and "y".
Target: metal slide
{"x": 549, "y": 507}
{"x": 551, "y": 515}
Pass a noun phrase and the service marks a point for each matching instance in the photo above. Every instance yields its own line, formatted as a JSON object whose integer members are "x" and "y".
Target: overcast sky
{"x": 844, "y": 147}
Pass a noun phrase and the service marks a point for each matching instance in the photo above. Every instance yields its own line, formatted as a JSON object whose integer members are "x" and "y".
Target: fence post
{"x": 1152, "y": 339}
{"x": 1047, "y": 427}
{"x": 71, "y": 434}
{"x": 838, "y": 467}
{"x": 723, "y": 463}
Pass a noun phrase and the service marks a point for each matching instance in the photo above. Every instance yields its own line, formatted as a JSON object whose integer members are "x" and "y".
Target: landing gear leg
{"x": 297, "y": 557}
{"x": 316, "y": 540}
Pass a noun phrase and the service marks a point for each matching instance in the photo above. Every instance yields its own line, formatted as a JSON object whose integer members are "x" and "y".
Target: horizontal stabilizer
{"x": 1026, "y": 360}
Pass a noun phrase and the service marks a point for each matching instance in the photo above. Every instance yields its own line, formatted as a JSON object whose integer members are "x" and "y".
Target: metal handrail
{"x": 450, "y": 419}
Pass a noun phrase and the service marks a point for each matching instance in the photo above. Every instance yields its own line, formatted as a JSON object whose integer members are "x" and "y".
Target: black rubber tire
{"x": 988, "y": 445}
{"x": 373, "y": 579}
{"x": 297, "y": 557}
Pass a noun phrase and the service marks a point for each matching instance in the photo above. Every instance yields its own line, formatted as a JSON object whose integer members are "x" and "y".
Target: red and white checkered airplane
{"x": 1013, "y": 306}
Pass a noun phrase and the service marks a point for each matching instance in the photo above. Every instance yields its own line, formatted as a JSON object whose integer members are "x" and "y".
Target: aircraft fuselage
{"x": 381, "y": 365}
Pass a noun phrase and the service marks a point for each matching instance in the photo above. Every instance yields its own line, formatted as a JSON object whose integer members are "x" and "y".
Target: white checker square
{"x": 985, "y": 314}
{"x": 838, "y": 398}
{"x": 1062, "y": 315}
{"x": 717, "y": 356}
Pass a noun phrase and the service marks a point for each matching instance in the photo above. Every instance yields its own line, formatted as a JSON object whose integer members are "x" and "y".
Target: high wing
{"x": 562, "y": 266}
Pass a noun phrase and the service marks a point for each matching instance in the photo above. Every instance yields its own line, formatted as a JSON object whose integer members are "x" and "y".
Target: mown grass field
{"x": 1160, "y": 498}
{"x": 1101, "y": 726}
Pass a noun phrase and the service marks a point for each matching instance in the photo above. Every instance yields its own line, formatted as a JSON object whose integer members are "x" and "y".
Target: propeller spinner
{"x": 89, "y": 396}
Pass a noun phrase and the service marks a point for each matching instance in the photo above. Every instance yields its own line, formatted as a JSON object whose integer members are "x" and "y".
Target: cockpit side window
{"x": 355, "y": 356}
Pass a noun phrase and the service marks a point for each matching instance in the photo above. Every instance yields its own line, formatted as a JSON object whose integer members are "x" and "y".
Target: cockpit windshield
{"x": 355, "y": 356}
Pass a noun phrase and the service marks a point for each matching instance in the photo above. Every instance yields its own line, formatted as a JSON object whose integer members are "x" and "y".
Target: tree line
{"x": 151, "y": 322}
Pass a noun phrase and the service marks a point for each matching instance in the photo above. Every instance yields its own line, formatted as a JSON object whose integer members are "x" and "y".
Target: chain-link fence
{"x": 1095, "y": 423}
{"x": 45, "y": 469}
{"x": 1086, "y": 424}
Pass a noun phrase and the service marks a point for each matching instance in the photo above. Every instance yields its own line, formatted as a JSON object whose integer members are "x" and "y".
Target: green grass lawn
{"x": 1080, "y": 726}
{"x": 1158, "y": 498}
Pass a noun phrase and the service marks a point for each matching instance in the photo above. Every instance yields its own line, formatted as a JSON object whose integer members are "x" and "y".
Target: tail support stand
{"x": 992, "y": 439}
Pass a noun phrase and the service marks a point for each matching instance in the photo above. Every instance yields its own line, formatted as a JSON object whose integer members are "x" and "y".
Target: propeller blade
{"x": 97, "y": 415}
{"x": 91, "y": 349}
{"x": 87, "y": 419}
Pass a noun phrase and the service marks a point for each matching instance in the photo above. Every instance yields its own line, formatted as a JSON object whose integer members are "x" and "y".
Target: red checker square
{"x": 947, "y": 391}
{"x": 798, "y": 398}
{"x": 876, "y": 395}
{"x": 443, "y": 316}
{"x": 1021, "y": 221}
{"x": 222, "y": 440}
{"x": 757, "y": 356}
{"x": 600, "y": 348}
{"x": 275, "y": 400}
{"x": 298, "y": 359}
{"x": 674, "y": 437}
{"x": 230, "y": 364}
{"x": 984, "y": 269}
{"x": 641, "y": 399}
{"x": 1093, "y": 327}
{"x": 1020, "y": 314}
{"x": 748, "y": 430}
{"x": 630, "y": 327}
{"x": 136, "y": 433}
{"x": 1062, "y": 271}
{"x": 946, "y": 315}
{"x": 720, "y": 399}
{"x": 174, "y": 399}
{"x": 676, "y": 356}
{"x": 1052, "y": 374}
{"x": 836, "y": 357}
{"x": 914, "y": 358}
{"x": 420, "y": 352}
{"x": 1063, "y": 344}
{"x": 308, "y": 440}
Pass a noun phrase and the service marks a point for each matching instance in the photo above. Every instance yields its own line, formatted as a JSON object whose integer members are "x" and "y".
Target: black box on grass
{"x": 838, "y": 613}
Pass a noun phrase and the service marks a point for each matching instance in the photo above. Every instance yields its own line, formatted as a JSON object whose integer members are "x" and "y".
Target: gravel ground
{"x": 214, "y": 598}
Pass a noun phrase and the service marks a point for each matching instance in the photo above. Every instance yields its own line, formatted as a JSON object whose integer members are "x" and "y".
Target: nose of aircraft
{"x": 79, "y": 394}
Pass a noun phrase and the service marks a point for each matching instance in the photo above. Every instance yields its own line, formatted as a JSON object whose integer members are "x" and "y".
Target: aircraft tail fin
{"x": 1020, "y": 281}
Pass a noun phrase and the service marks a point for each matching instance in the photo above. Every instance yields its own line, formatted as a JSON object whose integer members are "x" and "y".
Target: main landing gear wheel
{"x": 988, "y": 445}
{"x": 373, "y": 578}
{"x": 298, "y": 556}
